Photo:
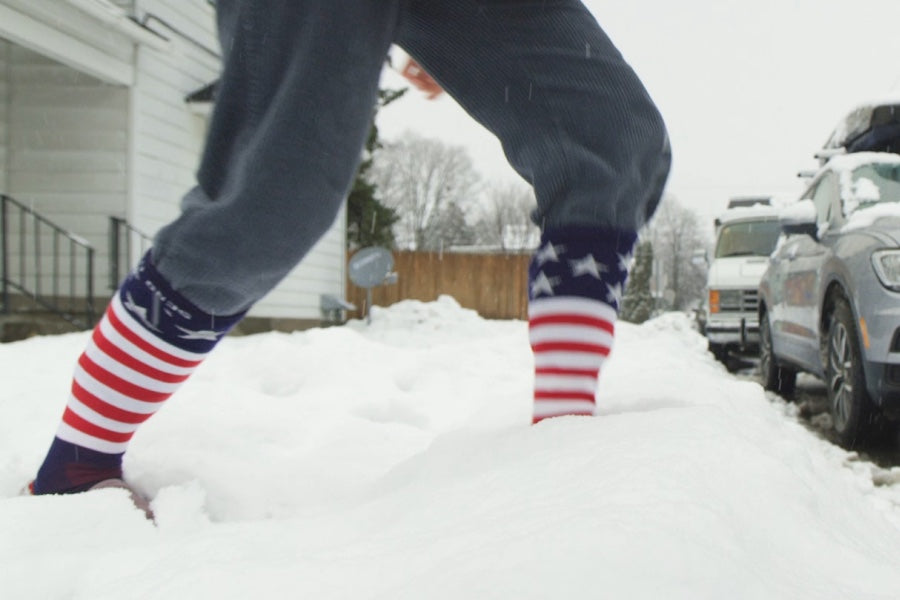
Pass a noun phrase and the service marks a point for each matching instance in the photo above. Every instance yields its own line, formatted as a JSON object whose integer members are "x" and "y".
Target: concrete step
{"x": 20, "y": 326}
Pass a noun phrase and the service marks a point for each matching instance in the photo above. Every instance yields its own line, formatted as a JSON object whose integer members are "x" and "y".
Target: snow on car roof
{"x": 746, "y": 213}
{"x": 866, "y": 217}
{"x": 848, "y": 162}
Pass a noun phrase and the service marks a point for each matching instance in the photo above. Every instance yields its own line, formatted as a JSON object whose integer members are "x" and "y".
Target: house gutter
{"x": 114, "y": 17}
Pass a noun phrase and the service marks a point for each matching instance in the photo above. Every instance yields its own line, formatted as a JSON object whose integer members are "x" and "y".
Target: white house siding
{"x": 168, "y": 137}
{"x": 4, "y": 113}
{"x": 58, "y": 30}
{"x": 67, "y": 148}
{"x": 93, "y": 124}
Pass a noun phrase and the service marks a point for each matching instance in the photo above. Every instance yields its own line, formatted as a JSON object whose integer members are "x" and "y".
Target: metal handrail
{"x": 30, "y": 272}
{"x": 122, "y": 239}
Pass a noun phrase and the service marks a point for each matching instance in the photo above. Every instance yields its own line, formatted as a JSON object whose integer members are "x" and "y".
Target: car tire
{"x": 719, "y": 352}
{"x": 781, "y": 380}
{"x": 852, "y": 413}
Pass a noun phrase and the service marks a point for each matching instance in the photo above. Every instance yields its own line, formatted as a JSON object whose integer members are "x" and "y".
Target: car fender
{"x": 847, "y": 270}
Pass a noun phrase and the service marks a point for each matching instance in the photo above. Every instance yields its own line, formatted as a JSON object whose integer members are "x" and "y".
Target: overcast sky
{"x": 749, "y": 90}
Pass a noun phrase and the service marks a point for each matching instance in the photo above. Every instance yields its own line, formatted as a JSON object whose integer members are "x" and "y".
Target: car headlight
{"x": 724, "y": 300}
{"x": 887, "y": 267}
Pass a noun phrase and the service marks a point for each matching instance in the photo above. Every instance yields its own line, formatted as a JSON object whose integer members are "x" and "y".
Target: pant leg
{"x": 573, "y": 118}
{"x": 293, "y": 108}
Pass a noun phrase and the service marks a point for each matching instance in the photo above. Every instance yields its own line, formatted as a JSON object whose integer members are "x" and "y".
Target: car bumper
{"x": 740, "y": 331}
{"x": 883, "y": 383}
{"x": 880, "y": 341}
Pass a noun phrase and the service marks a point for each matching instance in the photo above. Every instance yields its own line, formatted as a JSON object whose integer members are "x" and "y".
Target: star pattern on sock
{"x": 625, "y": 261}
{"x": 614, "y": 294}
{"x": 549, "y": 258}
{"x": 138, "y": 311}
{"x": 203, "y": 334}
{"x": 587, "y": 267}
{"x": 548, "y": 253}
{"x": 543, "y": 285}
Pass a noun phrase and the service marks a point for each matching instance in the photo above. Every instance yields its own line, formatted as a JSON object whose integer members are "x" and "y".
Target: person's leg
{"x": 574, "y": 121}
{"x": 293, "y": 109}
{"x": 148, "y": 342}
{"x": 294, "y": 105}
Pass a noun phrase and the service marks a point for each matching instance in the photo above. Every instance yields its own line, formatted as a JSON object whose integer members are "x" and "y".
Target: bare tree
{"x": 425, "y": 180}
{"x": 505, "y": 220}
{"x": 676, "y": 237}
{"x": 449, "y": 228}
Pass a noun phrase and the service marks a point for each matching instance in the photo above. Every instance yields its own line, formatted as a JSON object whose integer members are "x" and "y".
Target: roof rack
{"x": 745, "y": 201}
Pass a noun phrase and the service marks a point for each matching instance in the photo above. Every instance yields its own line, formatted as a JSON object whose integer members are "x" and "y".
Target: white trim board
{"x": 35, "y": 35}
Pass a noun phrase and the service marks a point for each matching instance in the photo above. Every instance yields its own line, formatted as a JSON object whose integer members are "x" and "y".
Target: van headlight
{"x": 887, "y": 267}
{"x": 724, "y": 300}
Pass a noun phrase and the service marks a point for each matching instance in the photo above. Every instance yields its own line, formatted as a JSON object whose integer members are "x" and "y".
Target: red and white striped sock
{"x": 123, "y": 377}
{"x": 576, "y": 280}
{"x": 147, "y": 344}
{"x": 571, "y": 338}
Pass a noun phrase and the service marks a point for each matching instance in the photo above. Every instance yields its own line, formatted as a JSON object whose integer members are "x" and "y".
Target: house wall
{"x": 168, "y": 137}
{"x": 67, "y": 147}
{"x": 4, "y": 113}
{"x": 122, "y": 142}
{"x": 58, "y": 30}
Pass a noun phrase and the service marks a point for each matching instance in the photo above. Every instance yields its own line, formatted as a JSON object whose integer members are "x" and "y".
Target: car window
{"x": 825, "y": 196}
{"x": 871, "y": 184}
{"x": 748, "y": 238}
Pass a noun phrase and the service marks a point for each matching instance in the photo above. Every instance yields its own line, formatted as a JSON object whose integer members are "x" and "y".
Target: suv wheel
{"x": 781, "y": 380}
{"x": 851, "y": 409}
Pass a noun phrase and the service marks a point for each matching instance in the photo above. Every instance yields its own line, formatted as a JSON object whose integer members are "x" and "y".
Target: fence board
{"x": 494, "y": 285}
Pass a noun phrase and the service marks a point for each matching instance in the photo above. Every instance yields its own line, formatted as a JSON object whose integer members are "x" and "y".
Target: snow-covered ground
{"x": 396, "y": 460}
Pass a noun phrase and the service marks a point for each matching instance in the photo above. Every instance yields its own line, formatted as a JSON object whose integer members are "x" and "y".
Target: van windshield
{"x": 748, "y": 238}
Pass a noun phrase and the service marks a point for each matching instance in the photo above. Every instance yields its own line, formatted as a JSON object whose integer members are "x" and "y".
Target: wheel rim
{"x": 841, "y": 381}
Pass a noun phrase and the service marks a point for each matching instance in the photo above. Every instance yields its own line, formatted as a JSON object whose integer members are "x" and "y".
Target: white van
{"x": 746, "y": 235}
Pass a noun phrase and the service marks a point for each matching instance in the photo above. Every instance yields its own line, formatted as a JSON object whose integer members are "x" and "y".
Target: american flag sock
{"x": 576, "y": 280}
{"x": 148, "y": 342}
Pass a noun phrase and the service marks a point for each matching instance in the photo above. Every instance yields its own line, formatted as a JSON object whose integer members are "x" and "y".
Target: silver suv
{"x": 830, "y": 297}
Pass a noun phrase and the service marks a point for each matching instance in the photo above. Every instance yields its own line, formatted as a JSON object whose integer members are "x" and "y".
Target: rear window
{"x": 748, "y": 238}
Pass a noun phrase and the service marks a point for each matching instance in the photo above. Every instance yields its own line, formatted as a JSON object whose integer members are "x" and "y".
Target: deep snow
{"x": 395, "y": 460}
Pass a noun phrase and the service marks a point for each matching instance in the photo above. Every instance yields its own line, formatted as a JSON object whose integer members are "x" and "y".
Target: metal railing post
{"x": 37, "y": 257}
{"x": 32, "y": 254}
{"x": 113, "y": 253}
{"x": 89, "y": 307}
{"x": 4, "y": 263}
{"x": 122, "y": 238}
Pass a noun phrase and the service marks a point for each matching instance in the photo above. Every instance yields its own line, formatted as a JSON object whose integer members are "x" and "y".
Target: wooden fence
{"x": 494, "y": 285}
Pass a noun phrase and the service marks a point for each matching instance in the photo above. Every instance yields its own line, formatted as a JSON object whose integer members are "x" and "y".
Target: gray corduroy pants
{"x": 295, "y": 103}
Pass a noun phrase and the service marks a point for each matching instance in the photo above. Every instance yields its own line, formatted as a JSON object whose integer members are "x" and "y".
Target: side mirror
{"x": 700, "y": 257}
{"x": 800, "y": 217}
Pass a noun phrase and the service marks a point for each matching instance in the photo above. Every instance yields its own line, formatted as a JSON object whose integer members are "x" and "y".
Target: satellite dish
{"x": 371, "y": 266}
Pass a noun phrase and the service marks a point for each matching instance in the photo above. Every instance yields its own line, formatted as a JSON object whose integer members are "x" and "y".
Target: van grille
{"x": 738, "y": 301}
